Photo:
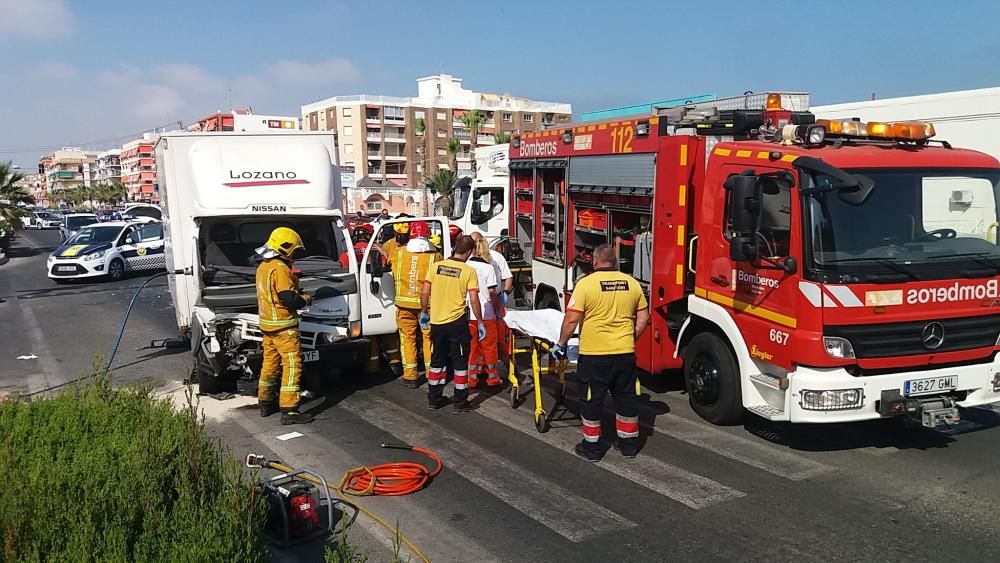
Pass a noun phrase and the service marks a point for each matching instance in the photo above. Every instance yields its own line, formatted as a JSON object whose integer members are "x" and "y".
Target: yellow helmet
{"x": 401, "y": 228}
{"x": 436, "y": 240}
{"x": 285, "y": 242}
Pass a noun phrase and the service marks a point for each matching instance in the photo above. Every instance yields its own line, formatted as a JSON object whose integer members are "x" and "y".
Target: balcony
{"x": 485, "y": 140}
{"x": 375, "y": 155}
{"x": 395, "y": 120}
{"x": 395, "y": 157}
{"x": 395, "y": 138}
{"x": 374, "y": 136}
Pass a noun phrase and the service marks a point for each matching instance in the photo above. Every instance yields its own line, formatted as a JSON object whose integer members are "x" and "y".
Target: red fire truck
{"x": 802, "y": 270}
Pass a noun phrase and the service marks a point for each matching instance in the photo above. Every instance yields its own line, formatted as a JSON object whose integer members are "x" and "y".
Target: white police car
{"x": 109, "y": 250}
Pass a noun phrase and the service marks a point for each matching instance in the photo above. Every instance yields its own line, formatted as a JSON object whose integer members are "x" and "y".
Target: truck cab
{"x": 481, "y": 204}
{"x": 223, "y": 194}
{"x": 798, "y": 269}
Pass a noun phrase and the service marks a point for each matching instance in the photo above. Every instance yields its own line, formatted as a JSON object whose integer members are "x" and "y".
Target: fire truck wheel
{"x": 711, "y": 376}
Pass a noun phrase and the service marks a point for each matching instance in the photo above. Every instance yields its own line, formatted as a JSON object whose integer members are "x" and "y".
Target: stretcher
{"x": 540, "y": 330}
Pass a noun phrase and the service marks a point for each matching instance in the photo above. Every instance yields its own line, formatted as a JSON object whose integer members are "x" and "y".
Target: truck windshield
{"x": 919, "y": 224}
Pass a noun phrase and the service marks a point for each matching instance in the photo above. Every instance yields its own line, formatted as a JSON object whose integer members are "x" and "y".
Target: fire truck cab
{"x": 802, "y": 270}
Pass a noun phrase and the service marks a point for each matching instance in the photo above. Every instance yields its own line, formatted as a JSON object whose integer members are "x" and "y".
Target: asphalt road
{"x": 763, "y": 491}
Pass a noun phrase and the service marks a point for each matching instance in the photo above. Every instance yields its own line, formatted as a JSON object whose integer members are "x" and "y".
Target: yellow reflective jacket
{"x": 273, "y": 277}
{"x": 409, "y": 270}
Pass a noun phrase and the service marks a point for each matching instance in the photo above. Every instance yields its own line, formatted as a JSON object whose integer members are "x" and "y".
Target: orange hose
{"x": 390, "y": 479}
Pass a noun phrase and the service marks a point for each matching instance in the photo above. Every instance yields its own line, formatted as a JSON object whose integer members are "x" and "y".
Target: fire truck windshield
{"x": 920, "y": 224}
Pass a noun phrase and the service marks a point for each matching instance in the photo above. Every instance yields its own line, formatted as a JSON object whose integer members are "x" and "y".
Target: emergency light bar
{"x": 900, "y": 131}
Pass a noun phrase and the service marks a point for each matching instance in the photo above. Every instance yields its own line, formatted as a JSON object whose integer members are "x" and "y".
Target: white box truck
{"x": 968, "y": 119}
{"x": 222, "y": 195}
{"x": 480, "y": 203}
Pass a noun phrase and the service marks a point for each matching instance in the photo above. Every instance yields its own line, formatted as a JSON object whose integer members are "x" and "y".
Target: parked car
{"x": 73, "y": 222}
{"x": 109, "y": 250}
{"x": 144, "y": 212}
{"x": 42, "y": 220}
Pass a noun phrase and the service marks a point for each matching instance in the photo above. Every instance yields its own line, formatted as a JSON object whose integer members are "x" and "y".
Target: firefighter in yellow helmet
{"x": 400, "y": 238}
{"x": 410, "y": 264}
{"x": 279, "y": 300}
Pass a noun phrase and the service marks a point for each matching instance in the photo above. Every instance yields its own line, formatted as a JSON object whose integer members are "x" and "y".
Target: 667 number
{"x": 778, "y": 336}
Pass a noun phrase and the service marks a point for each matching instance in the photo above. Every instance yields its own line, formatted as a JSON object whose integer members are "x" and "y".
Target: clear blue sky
{"x": 79, "y": 71}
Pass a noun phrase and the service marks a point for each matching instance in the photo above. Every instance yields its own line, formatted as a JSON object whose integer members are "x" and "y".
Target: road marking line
{"x": 766, "y": 458}
{"x": 689, "y": 489}
{"x": 737, "y": 448}
{"x": 548, "y": 503}
{"x": 50, "y": 368}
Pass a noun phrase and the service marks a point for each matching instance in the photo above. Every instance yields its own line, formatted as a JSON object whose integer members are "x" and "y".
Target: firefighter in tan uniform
{"x": 613, "y": 312}
{"x": 409, "y": 265}
{"x": 278, "y": 300}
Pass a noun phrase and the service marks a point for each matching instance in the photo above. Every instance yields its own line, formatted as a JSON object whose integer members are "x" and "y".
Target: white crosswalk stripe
{"x": 743, "y": 450}
{"x": 690, "y": 489}
{"x": 547, "y": 502}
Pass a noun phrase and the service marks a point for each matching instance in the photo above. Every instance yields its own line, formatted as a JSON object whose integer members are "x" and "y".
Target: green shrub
{"x": 95, "y": 474}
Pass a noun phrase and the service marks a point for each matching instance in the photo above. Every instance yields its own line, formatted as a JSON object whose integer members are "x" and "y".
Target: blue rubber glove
{"x": 424, "y": 321}
{"x": 503, "y": 298}
{"x": 558, "y": 351}
{"x": 482, "y": 331}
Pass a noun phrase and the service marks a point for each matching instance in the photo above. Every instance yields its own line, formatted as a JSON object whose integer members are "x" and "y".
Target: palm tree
{"x": 454, "y": 147}
{"x": 501, "y": 137}
{"x": 441, "y": 183}
{"x": 13, "y": 198}
{"x": 473, "y": 120}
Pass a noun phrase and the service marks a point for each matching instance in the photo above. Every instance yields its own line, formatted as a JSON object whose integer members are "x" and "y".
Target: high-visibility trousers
{"x": 282, "y": 359}
{"x": 388, "y": 343}
{"x": 483, "y": 354}
{"x": 409, "y": 333}
{"x": 614, "y": 374}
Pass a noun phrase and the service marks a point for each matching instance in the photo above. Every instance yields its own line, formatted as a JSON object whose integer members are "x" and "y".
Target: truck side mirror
{"x": 742, "y": 248}
{"x": 744, "y": 203}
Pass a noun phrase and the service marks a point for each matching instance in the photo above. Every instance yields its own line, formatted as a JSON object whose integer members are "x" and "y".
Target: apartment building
{"x": 108, "y": 167}
{"x": 34, "y": 184}
{"x": 403, "y": 139}
{"x": 243, "y": 119}
{"x": 67, "y": 167}
{"x": 138, "y": 169}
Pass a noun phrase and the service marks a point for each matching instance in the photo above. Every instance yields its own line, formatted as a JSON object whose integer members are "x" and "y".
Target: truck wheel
{"x": 208, "y": 382}
{"x": 712, "y": 380}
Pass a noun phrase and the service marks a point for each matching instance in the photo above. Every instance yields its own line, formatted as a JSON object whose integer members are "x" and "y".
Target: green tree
{"x": 501, "y": 137}
{"x": 13, "y": 198}
{"x": 441, "y": 183}
{"x": 454, "y": 147}
{"x": 473, "y": 120}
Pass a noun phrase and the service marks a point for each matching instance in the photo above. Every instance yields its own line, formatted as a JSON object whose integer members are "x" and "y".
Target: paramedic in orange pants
{"x": 278, "y": 302}
{"x": 409, "y": 266}
{"x": 483, "y": 354}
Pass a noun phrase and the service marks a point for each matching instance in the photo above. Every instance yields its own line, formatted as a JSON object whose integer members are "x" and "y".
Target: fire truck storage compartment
{"x": 524, "y": 194}
{"x": 551, "y": 210}
{"x": 612, "y": 197}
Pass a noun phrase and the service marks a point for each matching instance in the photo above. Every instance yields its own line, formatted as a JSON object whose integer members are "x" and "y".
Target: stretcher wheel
{"x": 514, "y": 397}
{"x": 541, "y": 423}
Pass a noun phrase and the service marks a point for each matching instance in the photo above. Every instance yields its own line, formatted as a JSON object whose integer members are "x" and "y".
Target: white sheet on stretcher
{"x": 545, "y": 324}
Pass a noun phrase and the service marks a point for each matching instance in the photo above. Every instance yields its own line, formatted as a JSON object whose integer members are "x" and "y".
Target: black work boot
{"x": 397, "y": 369}
{"x": 267, "y": 408}
{"x": 584, "y": 453}
{"x": 629, "y": 451}
{"x": 411, "y": 383}
{"x": 293, "y": 416}
{"x": 463, "y": 407}
{"x": 435, "y": 404}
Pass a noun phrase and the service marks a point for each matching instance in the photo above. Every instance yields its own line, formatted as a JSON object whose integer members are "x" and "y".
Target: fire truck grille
{"x": 908, "y": 339}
